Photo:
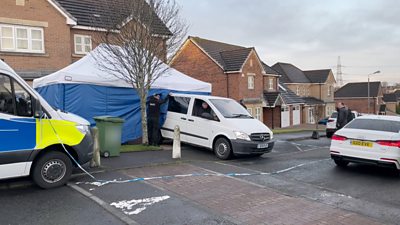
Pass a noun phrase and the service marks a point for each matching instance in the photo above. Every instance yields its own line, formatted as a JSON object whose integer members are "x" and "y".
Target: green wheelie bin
{"x": 110, "y": 131}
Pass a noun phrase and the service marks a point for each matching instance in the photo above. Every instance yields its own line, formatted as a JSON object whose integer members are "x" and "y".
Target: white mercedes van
{"x": 219, "y": 124}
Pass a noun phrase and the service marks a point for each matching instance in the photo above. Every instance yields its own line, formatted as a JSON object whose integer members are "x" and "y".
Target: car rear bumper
{"x": 380, "y": 163}
{"x": 242, "y": 147}
{"x": 331, "y": 130}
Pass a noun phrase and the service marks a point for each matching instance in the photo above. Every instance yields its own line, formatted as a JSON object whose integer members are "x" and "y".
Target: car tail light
{"x": 389, "y": 143}
{"x": 338, "y": 138}
{"x": 387, "y": 159}
{"x": 331, "y": 120}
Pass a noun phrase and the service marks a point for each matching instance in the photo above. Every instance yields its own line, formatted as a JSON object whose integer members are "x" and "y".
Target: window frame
{"x": 83, "y": 45}
{"x": 251, "y": 77}
{"x": 28, "y": 38}
{"x": 271, "y": 84}
{"x": 258, "y": 113}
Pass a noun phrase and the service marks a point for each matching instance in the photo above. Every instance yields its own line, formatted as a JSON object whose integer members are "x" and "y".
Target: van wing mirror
{"x": 38, "y": 109}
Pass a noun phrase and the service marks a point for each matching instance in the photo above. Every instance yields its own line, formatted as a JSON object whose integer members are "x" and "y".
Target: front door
{"x": 202, "y": 123}
{"x": 17, "y": 128}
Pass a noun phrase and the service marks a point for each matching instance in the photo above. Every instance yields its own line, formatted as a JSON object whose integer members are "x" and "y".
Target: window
{"x": 178, "y": 104}
{"x": 258, "y": 113}
{"x": 23, "y": 101}
{"x": 6, "y": 97}
{"x": 230, "y": 108}
{"x": 14, "y": 99}
{"x": 271, "y": 84}
{"x": 297, "y": 90}
{"x": 250, "y": 110}
{"x": 329, "y": 90}
{"x": 83, "y": 44}
{"x": 202, "y": 109}
{"x": 250, "y": 81}
{"x": 377, "y": 125}
{"x": 21, "y": 39}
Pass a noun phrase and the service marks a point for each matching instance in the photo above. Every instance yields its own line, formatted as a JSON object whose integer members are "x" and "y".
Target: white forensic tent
{"x": 84, "y": 88}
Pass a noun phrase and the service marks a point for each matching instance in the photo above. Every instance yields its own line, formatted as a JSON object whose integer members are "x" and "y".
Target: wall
{"x": 360, "y": 104}
{"x": 56, "y": 36}
{"x": 192, "y": 61}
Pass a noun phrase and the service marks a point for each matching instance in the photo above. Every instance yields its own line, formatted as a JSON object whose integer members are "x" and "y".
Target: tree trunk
{"x": 143, "y": 107}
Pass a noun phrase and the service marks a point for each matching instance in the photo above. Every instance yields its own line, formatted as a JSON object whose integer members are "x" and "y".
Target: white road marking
{"x": 127, "y": 206}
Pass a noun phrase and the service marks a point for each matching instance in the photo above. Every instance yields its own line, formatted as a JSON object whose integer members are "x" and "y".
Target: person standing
{"x": 342, "y": 117}
{"x": 153, "y": 118}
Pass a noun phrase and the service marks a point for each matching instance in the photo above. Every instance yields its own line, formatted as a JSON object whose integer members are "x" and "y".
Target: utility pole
{"x": 339, "y": 74}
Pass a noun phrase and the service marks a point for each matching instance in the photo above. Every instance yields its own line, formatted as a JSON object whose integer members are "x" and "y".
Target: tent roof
{"x": 88, "y": 71}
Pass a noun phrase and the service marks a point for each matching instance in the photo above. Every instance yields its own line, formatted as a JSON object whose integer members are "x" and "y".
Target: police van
{"x": 219, "y": 124}
{"x": 35, "y": 139}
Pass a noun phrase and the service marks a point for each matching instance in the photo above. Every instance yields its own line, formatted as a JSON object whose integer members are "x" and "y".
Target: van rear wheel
{"x": 52, "y": 170}
{"x": 222, "y": 149}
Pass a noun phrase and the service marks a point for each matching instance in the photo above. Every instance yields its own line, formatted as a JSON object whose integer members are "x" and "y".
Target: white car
{"x": 368, "y": 139}
{"x": 225, "y": 127}
{"x": 331, "y": 123}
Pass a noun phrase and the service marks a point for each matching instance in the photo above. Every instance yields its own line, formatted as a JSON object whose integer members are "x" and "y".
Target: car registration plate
{"x": 264, "y": 145}
{"x": 362, "y": 143}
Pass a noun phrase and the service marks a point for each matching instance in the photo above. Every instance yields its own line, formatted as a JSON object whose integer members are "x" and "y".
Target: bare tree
{"x": 317, "y": 116}
{"x": 137, "y": 37}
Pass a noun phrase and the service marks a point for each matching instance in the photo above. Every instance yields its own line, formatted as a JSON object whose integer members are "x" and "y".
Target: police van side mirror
{"x": 38, "y": 109}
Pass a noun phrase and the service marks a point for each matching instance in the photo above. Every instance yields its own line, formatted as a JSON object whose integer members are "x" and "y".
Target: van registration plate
{"x": 362, "y": 143}
{"x": 264, "y": 145}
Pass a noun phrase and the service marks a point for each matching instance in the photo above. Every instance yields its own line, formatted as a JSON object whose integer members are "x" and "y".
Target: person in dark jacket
{"x": 153, "y": 118}
{"x": 341, "y": 120}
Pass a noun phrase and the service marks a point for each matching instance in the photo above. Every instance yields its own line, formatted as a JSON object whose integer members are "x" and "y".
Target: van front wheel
{"x": 52, "y": 170}
{"x": 222, "y": 148}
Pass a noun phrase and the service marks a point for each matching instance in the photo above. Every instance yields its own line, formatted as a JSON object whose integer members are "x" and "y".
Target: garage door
{"x": 296, "y": 115}
{"x": 285, "y": 116}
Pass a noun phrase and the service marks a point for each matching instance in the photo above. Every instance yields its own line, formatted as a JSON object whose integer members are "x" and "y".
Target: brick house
{"x": 355, "y": 96}
{"x": 38, "y": 37}
{"x": 391, "y": 102}
{"x": 316, "y": 87}
{"x": 234, "y": 71}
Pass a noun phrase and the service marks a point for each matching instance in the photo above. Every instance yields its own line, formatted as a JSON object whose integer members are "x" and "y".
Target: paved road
{"x": 301, "y": 169}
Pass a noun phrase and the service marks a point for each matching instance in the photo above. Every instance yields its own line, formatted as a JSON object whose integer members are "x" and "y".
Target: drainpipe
{"x": 227, "y": 85}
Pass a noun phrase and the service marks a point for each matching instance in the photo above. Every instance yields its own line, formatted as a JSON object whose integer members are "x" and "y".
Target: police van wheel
{"x": 52, "y": 170}
{"x": 222, "y": 148}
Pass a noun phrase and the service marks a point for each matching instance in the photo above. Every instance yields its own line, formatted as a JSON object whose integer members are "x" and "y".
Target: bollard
{"x": 176, "y": 146}
{"x": 95, "y": 162}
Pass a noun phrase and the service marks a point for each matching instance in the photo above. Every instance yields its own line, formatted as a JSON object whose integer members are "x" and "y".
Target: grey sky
{"x": 310, "y": 34}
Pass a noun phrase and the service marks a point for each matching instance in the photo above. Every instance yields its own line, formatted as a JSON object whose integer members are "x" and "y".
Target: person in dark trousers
{"x": 153, "y": 118}
{"x": 342, "y": 117}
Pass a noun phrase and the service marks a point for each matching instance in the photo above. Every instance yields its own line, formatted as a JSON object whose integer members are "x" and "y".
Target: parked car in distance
{"x": 224, "y": 126}
{"x": 368, "y": 139}
{"x": 323, "y": 121}
{"x": 331, "y": 123}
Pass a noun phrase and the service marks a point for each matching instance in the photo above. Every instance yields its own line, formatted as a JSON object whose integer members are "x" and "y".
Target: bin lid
{"x": 111, "y": 119}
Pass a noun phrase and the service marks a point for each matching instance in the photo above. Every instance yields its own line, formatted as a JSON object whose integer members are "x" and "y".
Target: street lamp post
{"x": 376, "y": 72}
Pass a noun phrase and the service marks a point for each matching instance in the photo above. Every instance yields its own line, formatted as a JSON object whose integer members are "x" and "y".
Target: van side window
{"x": 14, "y": 100}
{"x": 203, "y": 110}
{"x": 6, "y": 96}
{"x": 23, "y": 101}
{"x": 178, "y": 104}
